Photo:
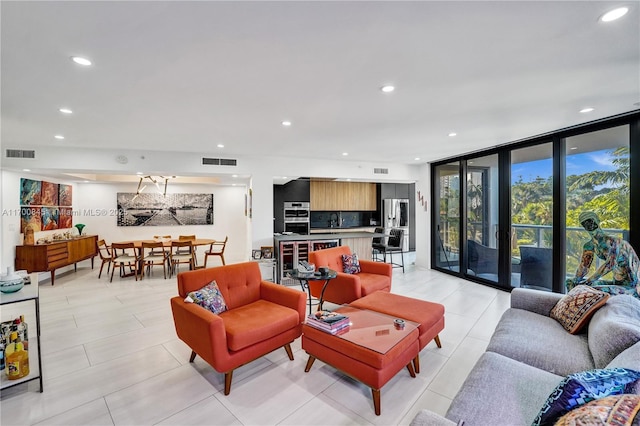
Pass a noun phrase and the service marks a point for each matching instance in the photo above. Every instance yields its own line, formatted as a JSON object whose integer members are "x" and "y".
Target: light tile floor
{"x": 111, "y": 357}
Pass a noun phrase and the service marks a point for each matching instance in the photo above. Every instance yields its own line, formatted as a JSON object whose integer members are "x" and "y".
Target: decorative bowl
{"x": 12, "y": 285}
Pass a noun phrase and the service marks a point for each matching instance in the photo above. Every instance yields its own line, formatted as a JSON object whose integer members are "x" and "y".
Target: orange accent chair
{"x": 345, "y": 288}
{"x": 261, "y": 317}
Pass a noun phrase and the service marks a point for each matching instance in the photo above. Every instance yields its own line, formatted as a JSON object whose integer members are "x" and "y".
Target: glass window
{"x": 532, "y": 217}
{"x": 482, "y": 217}
{"x": 597, "y": 170}
{"x": 447, "y": 245}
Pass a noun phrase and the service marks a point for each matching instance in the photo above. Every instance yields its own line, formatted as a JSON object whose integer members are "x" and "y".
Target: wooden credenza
{"x": 49, "y": 257}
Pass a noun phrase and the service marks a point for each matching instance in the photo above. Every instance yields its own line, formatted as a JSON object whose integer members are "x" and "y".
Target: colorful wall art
{"x": 154, "y": 209}
{"x": 45, "y": 205}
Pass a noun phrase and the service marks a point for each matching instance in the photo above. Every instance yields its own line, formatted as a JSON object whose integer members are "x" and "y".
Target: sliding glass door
{"x": 509, "y": 217}
{"x": 447, "y": 235}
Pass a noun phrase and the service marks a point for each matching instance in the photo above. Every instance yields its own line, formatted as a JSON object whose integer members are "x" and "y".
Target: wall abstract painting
{"x": 65, "y": 198}
{"x": 49, "y": 193}
{"x": 30, "y": 216}
{"x": 154, "y": 209}
{"x": 65, "y": 218}
{"x": 49, "y": 216}
{"x": 30, "y": 192}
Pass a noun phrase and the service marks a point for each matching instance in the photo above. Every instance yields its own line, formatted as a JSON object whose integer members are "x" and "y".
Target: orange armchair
{"x": 261, "y": 317}
{"x": 346, "y": 288}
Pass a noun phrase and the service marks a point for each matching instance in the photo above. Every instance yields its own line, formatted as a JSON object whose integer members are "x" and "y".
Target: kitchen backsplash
{"x": 336, "y": 219}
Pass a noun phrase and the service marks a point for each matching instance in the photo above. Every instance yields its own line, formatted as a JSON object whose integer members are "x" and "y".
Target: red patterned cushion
{"x": 576, "y": 307}
{"x": 350, "y": 263}
{"x": 618, "y": 410}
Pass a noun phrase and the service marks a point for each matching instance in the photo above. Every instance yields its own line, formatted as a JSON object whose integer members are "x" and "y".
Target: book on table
{"x": 328, "y": 321}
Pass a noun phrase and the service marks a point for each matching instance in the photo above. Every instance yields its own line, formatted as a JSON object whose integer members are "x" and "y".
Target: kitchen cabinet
{"x": 342, "y": 196}
{"x": 394, "y": 190}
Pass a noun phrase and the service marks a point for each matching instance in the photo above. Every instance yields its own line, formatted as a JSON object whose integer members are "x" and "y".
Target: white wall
{"x": 423, "y": 215}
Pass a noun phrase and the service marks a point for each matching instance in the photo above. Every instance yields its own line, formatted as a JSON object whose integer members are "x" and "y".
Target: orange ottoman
{"x": 372, "y": 351}
{"x": 429, "y": 315}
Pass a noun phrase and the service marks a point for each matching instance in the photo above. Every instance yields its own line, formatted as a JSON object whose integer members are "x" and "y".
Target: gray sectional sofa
{"x": 530, "y": 353}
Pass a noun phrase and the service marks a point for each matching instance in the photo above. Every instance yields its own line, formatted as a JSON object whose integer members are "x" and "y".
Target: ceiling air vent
{"x": 380, "y": 171}
{"x": 219, "y": 162}
{"x": 21, "y": 153}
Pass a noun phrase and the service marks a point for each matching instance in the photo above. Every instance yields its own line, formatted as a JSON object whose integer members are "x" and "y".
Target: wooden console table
{"x": 49, "y": 257}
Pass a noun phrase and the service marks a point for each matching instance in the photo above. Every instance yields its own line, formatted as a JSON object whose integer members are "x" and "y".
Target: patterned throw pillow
{"x": 209, "y": 297}
{"x": 576, "y": 307}
{"x": 579, "y": 388}
{"x": 350, "y": 264}
{"x": 619, "y": 410}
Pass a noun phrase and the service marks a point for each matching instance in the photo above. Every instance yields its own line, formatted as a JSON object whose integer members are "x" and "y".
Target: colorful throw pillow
{"x": 350, "y": 263}
{"x": 579, "y": 388}
{"x": 209, "y": 297}
{"x": 575, "y": 308}
{"x": 619, "y": 410}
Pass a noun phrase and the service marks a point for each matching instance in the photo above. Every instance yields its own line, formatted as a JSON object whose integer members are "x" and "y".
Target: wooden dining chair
{"x": 182, "y": 252}
{"x": 104, "y": 250}
{"x": 154, "y": 254}
{"x": 216, "y": 249}
{"x": 192, "y": 249}
{"x": 128, "y": 256}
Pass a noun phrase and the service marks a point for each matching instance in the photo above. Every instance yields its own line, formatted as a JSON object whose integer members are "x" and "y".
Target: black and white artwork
{"x": 155, "y": 209}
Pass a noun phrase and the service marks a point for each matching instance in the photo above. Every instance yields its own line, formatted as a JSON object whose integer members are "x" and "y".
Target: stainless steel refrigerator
{"x": 395, "y": 214}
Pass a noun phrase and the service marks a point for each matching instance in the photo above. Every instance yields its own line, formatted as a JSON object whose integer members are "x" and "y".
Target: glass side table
{"x": 305, "y": 277}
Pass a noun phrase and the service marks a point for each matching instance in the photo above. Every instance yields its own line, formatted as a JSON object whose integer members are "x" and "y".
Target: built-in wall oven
{"x": 296, "y": 217}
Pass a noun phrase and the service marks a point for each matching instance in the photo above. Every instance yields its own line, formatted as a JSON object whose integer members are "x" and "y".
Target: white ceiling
{"x": 185, "y": 76}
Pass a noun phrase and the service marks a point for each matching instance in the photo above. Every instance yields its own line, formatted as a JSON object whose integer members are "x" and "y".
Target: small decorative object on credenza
{"x": 28, "y": 235}
{"x": 11, "y": 282}
{"x": 80, "y": 227}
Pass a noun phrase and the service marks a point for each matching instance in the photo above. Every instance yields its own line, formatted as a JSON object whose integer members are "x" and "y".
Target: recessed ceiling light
{"x": 614, "y": 14}
{"x": 286, "y": 123}
{"x": 59, "y": 137}
{"x": 81, "y": 61}
{"x": 85, "y": 181}
{"x": 573, "y": 148}
{"x": 585, "y": 110}
{"x": 452, "y": 134}
{"x": 139, "y": 173}
{"x": 417, "y": 159}
{"x": 26, "y": 170}
{"x": 65, "y": 111}
{"x": 388, "y": 88}
{"x": 234, "y": 176}
{"x": 345, "y": 153}
{"x": 284, "y": 177}
{"x": 220, "y": 145}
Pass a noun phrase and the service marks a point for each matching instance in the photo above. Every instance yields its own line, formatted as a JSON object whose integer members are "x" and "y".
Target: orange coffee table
{"x": 372, "y": 351}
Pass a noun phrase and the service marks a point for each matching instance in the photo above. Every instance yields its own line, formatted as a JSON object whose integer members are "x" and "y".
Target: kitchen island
{"x": 294, "y": 248}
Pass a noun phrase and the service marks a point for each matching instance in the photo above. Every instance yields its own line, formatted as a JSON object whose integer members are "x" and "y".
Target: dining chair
{"x": 192, "y": 249}
{"x": 216, "y": 249}
{"x": 104, "y": 250}
{"x": 181, "y": 252}
{"x": 154, "y": 254}
{"x": 128, "y": 256}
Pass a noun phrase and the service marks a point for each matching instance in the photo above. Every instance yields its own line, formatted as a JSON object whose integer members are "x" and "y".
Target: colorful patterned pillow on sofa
{"x": 579, "y": 388}
{"x": 575, "y": 308}
{"x": 619, "y": 410}
{"x": 209, "y": 297}
{"x": 350, "y": 263}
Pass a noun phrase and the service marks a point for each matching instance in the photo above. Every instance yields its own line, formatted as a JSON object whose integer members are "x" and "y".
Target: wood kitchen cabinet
{"x": 342, "y": 196}
{"x": 49, "y": 257}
